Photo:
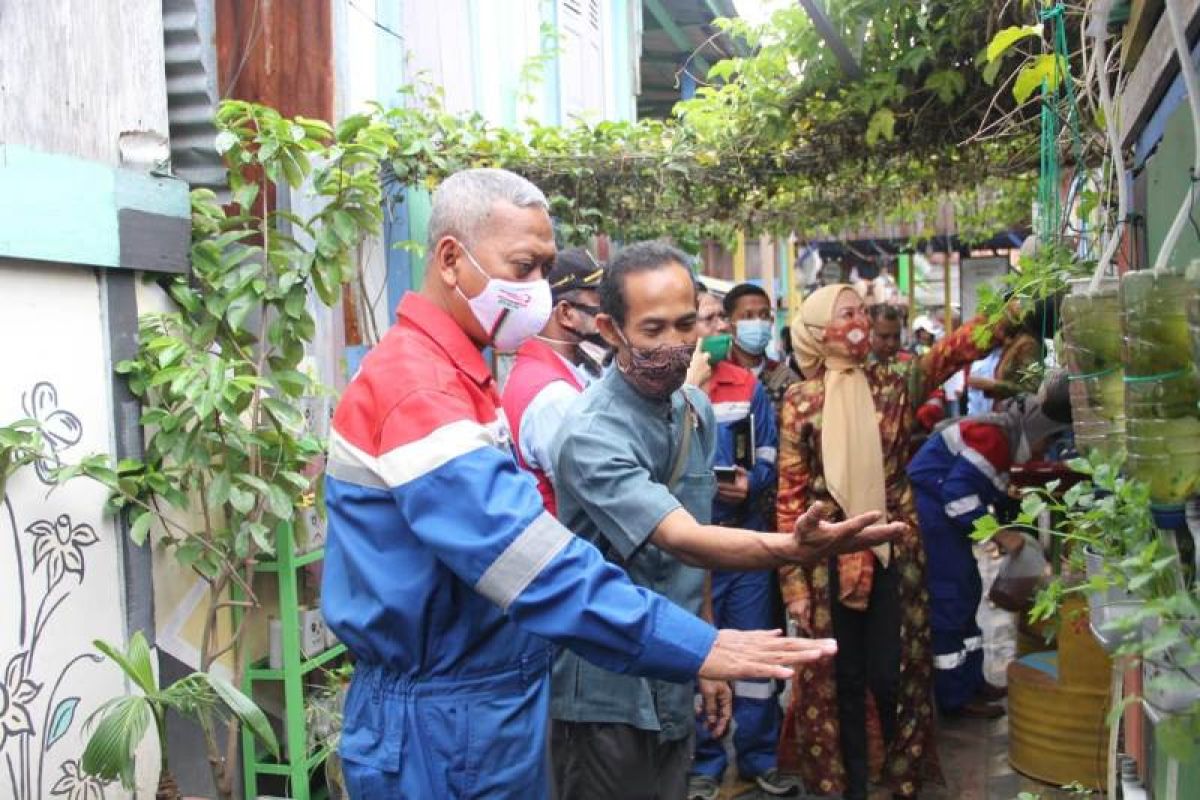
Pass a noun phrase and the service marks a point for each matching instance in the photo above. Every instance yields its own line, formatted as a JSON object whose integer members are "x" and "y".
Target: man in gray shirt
{"x": 634, "y": 477}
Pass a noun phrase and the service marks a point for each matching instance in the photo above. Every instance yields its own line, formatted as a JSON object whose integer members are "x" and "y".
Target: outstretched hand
{"x": 737, "y": 655}
{"x": 816, "y": 539}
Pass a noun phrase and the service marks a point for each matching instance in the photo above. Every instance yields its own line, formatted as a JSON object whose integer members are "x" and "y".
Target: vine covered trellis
{"x": 781, "y": 140}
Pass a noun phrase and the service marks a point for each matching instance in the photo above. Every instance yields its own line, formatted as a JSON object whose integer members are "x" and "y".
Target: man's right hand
{"x": 700, "y": 369}
{"x": 738, "y": 655}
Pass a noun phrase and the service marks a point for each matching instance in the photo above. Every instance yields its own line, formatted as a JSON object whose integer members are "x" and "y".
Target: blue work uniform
{"x": 957, "y": 476}
{"x": 447, "y": 580}
{"x": 743, "y": 600}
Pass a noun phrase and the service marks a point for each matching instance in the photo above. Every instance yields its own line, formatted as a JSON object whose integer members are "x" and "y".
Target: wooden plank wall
{"x": 64, "y": 87}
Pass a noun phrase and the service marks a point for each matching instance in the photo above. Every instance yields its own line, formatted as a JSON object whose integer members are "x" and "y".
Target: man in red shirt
{"x": 553, "y": 367}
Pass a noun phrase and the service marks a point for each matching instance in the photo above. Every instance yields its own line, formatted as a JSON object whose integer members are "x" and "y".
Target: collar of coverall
{"x": 445, "y": 333}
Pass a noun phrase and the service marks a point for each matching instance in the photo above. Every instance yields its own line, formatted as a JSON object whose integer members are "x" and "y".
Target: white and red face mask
{"x": 854, "y": 334}
{"x": 509, "y": 311}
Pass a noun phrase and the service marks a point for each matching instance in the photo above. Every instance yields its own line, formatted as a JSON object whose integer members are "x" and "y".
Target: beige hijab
{"x": 851, "y": 448}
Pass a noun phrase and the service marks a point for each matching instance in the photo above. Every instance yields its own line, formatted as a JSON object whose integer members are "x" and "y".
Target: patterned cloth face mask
{"x": 656, "y": 372}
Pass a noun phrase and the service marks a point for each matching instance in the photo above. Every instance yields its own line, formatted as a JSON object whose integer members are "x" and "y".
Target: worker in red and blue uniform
{"x": 958, "y": 476}
{"x": 741, "y": 599}
{"x": 554, "y": 367}
{"x": 444, "y": 574}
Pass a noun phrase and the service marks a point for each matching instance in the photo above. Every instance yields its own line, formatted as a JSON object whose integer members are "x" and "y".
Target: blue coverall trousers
{"x": 743, "y": 601}
{"x": 955, "y": 590}
{"x": 480, "y": 737}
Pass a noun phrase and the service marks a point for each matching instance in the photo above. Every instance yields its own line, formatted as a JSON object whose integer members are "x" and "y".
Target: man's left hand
{"x": 815, "y": 539}
{"x": 718, "y": 705}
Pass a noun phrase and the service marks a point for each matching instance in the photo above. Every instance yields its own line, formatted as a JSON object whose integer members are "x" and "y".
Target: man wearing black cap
{"x": 554, "y": 367}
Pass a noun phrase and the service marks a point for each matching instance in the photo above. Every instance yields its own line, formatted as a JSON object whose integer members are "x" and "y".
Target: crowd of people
{"x": 577, "y": 585}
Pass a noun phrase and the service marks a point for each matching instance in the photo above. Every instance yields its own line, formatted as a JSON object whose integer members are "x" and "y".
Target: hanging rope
{"x": 1059, "y": 105}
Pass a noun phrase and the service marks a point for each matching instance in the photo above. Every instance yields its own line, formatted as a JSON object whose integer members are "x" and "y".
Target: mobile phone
{"x": 726, "y": 474}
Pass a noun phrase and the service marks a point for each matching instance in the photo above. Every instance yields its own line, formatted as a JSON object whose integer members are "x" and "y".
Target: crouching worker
{"x": 444, "y": 574}
{"x": 958, "y": 476}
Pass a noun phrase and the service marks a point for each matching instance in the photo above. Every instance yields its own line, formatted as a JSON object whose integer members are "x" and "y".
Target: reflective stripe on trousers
{"x": 956, "y": 660}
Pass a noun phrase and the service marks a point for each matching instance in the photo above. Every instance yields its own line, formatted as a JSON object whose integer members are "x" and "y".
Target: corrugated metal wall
{"x": 189, "y": 32}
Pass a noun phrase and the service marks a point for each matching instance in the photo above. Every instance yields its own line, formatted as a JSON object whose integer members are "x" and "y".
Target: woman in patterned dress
{"x": 844, "y": 441}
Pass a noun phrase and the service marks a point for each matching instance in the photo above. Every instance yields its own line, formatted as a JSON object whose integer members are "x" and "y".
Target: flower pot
{"x": 1106, "y": 608}
{"x": 1092, "y": 350}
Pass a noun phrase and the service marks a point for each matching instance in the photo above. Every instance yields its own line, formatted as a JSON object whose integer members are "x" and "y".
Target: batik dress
{"x": 810, "y": 742}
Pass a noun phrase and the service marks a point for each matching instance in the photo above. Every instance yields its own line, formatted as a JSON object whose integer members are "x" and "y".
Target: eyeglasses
{"x": 709, "y": 319}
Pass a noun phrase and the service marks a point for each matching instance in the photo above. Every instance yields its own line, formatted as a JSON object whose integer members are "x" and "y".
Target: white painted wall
{"x": 59, "y": 559}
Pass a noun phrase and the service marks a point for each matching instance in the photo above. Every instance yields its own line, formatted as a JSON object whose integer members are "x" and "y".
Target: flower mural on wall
{"x": 16, "y": 693}
{"x": 60, "y": 428}
{"x": 75, "y": 784}
{"x": 33, "y": 721}
{"x": 60, "y": 545}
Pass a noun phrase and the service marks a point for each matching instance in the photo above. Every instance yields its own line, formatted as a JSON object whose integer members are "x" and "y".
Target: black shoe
{"x": 977, "y": 709}
{"x": 779, "y": 784}
{"x": 990, "y": 693}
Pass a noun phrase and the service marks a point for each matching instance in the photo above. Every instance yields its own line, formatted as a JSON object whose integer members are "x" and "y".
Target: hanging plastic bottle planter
{"x": 1092, "y": 349}
{"x": 1193, "y": 279}
{"x": 1161, "y": 389}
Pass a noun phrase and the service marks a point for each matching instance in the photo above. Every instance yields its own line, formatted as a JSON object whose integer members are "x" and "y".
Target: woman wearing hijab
{"x": 844, "y": 440}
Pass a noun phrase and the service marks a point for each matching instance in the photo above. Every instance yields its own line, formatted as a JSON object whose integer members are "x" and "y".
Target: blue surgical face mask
{"x": 753, "y": 335}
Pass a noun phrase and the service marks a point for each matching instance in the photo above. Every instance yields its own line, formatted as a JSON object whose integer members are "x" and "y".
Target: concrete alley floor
{"x": 974, "y": 753}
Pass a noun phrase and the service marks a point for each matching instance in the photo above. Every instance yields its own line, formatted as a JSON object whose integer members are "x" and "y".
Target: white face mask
{"x": 509, "y": 311}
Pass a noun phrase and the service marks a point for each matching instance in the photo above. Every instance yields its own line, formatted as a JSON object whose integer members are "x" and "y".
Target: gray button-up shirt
{"x": 614, "y": 456}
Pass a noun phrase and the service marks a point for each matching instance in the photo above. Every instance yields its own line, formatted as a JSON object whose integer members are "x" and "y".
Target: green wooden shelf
{"x": 297, "y": 764}
{"x": 303, "y": 560}
{"x": 255, "y": 674}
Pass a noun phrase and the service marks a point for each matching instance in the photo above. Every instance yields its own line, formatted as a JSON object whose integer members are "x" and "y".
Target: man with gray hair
{"x": 444, "y": 575}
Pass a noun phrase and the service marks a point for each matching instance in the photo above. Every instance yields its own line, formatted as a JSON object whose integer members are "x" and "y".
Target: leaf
{"x": 1048, "y": 69}
{"x": 245, "y": 710}
{"x": 288, "y": 417}
{"x": 110, "y": 749}
{"x": 882, "y": 124}
{"x": 985, "y": 527}
{"x": 947, "y": 83}
{"x": 1006, "y": 38}
{"x": 241, "y": 500}
{"x": 135, "y": 663}
{"x": 225, "y": 141}
{"x": 345, "y": 227}
{"x": 239, "y": 308}
{"x": 140, "y": 528}
{"x": 349, "y": 127}
{"x": 61, "y": 719}
{"x": 991, "y": 70}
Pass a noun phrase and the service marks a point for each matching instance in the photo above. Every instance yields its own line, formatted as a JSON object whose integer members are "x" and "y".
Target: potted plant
{"x": 122, "y": 722}
{"x": 1110, "y": 544}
